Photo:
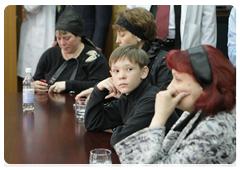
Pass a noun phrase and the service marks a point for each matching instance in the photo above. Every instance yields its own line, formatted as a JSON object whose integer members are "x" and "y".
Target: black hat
{"x": 71, "y": 21}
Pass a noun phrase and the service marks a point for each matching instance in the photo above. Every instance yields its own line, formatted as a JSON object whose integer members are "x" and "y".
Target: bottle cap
{"x": 28, "y": 70}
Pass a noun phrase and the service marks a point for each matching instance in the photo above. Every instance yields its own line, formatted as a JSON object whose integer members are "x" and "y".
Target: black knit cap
{"x": 70, "y": 20}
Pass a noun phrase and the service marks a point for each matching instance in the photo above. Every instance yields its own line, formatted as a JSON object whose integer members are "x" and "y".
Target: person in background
{"x": 75, "y": 64}
{"x": 135, "y": 107}
{"x": 36, "y": 36}
{"x": 97, "y": 20}
{"x": 232, "y": 37}
{"x": 204, "y": 85}
{"x": 188, "y": 25}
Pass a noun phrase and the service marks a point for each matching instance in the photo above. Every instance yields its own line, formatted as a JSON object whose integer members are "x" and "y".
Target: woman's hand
{"x": 57, "y": 97}
{"x": 57, "y": 87}
{"x": 165, "y": 103}
{"x": 40, "y": 87}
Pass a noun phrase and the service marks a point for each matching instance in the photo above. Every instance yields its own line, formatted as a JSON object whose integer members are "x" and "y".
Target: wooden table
{"x": 49, "y": 135}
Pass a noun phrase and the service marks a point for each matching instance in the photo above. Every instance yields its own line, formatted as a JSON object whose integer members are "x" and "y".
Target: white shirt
{"x": 36, "y": 36}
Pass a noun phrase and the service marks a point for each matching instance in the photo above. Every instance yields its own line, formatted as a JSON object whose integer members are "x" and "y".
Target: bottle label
{"x": 28, "y": 95}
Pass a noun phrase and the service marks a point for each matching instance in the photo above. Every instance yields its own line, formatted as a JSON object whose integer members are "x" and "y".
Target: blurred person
{"x": 204, "y": 86}
{"x": 232, "y": 37}
{"x": 36, "y": 36}
{"x": 75, "y": 64}
{"x": 188, "y": 25}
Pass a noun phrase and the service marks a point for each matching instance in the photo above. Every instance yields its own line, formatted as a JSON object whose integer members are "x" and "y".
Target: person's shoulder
{"x": 92, "y": 54}
{"x": 222, "y": 122}
{"x": 92, "y": 49}
{"x": 153, "y": 89}
{"x": 51, "y": 53}
{"x": 53, "y": 50}
{"x": 156, "y": 48}
{"x": 150, "y": 91}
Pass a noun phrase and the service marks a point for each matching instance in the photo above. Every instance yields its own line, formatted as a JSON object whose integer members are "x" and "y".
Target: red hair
{"x": 220, "y": 95}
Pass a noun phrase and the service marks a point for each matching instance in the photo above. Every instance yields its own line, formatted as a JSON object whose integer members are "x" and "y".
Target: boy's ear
{"x": 110, "y": 72}
{"x": 144, "y": 73}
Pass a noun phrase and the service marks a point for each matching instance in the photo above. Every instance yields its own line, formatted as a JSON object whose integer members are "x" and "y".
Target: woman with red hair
{"x": 204, "y": 86}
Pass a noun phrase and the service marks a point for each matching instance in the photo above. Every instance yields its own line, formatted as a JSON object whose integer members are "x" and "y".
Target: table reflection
{"x": 50, "y": 134}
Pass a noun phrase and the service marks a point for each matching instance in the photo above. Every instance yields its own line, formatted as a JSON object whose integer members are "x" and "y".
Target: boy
{"x": 134, "y": 109}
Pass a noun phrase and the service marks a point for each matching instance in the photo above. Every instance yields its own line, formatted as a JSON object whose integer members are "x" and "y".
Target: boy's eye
{"x": 115, "y": 71}
{"x": 129, "y": 69}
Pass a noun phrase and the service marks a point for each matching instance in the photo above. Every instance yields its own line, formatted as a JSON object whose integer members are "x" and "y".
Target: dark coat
{"x": 158, "y": 75}
{"x": 97, "y": 20}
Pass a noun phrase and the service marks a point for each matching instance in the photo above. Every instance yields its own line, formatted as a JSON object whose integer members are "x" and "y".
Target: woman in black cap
{"x": 204, "y": 85}
{"x": 75, "y": 64}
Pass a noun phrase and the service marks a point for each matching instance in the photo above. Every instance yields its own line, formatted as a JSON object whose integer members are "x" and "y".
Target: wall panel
{"x": 10, "y": 49}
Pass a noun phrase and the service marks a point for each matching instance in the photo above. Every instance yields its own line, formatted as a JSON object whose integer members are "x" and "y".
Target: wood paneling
{"x": 116, "y": 8}
{"x": 10, "y": 49}
{"x": 112, "y": 35}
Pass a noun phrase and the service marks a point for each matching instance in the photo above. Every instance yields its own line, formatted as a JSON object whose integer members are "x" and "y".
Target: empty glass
{"x": 80, "y": 107}
{"x": 100, "y": 156}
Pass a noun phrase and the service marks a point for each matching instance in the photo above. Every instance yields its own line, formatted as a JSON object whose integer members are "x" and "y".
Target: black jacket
{"x": 158, "y": 75}
{"x": 88, "y": 73}
{"x": 97, "y": 19}
{"x": 125, "y": 116}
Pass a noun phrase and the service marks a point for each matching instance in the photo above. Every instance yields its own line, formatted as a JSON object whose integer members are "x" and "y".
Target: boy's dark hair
{"x": 132, "y": 52}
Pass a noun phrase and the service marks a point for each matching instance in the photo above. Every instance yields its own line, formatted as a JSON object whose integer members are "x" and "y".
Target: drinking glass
{"x": 80, "y": 107}
{"x": 100, "y": 156}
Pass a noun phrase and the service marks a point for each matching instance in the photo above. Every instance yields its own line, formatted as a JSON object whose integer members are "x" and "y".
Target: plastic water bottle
{"x": 28, "y": 91}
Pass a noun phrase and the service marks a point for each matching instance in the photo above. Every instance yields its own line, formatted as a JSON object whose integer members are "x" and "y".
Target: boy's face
{"x": 127, "y": 76}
